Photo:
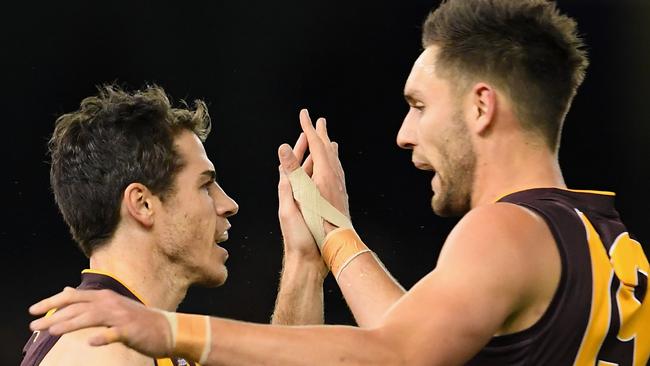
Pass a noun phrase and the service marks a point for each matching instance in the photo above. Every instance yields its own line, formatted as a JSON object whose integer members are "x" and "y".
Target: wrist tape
{"x": 191, "y": 335}
{"x": 341, "y": 246}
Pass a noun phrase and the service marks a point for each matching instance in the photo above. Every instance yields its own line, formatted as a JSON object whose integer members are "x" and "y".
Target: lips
{"x": 224, "y": 235}
{"x": 422, "y": 165}
{"x": 222, "y": 238}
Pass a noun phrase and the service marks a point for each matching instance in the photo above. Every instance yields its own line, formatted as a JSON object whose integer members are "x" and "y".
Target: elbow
{"x": 392, "y": 347}
{"x": 385, "y": 349}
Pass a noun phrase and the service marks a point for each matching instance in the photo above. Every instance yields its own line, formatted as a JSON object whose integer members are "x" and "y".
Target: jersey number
{"x": 618, "y": 331}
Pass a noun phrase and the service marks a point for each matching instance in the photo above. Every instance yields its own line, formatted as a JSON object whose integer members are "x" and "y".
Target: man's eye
{"x": 418, "y": 107}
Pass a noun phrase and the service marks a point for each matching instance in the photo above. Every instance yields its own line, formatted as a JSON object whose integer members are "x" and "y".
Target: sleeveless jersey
{"x": 600, "y": 313}
{"x": 41, "y": 342}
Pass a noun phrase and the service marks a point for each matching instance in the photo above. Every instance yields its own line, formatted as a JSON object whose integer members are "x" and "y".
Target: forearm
{"x": 368, "y": 289}
{"x": 239, "y": 343}
{"x": 366, "y": 285}
{"x": 300, "y": 296}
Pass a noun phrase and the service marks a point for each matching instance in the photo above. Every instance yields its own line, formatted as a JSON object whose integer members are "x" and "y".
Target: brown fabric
{"x": 556, "y": 338}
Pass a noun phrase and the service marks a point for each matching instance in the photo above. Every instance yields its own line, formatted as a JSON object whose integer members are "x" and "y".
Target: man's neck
{"x": 138, "y": 266}
{"x": 525, "y": 169}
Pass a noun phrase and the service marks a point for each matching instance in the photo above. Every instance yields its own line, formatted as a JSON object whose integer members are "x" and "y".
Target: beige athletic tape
{"x": 341, "y": 246}
{"x": 314, "y": 207}
{"x": 191, "y": 335}
{"x": 173, "y": 324}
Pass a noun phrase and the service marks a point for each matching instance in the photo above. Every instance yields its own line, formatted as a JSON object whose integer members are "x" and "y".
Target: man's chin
{"x": 214, "y": 279}
{"x": 439, "y": 207}
{"x": 444, "y": 208}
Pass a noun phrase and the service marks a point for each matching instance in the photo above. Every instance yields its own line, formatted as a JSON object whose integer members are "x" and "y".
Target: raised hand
{"x": 298, "y": 240}
{"x": 323, "y": 164}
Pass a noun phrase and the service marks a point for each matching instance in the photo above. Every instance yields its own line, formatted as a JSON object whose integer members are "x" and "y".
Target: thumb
{"x": 285, "y": 194}
{"x": 288, "y": 160}
{"x": 107, "y": 336}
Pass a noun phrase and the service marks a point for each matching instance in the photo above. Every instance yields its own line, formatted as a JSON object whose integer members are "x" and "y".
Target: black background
{"x": 257, "y": 63}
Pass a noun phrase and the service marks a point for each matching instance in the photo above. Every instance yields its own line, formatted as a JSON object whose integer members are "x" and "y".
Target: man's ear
{"x": 483, "y": 107}
{"x": 138, "y": 201}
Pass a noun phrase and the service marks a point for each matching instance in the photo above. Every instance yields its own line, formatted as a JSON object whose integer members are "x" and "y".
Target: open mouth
{"x": 222, "y": 238}
{"x": 423, "y": 166}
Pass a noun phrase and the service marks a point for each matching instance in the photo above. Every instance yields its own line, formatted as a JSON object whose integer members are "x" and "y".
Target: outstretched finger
{"x": 84, "y": 317}
{"x": 63, "y": 298}
{"x": 300, "y": 147}
{"x": 332, "y": 155}
{"x": 316, "y": 146}
{"x": 308, "y": 166}
{"x": 287, "y": 159}
{"x": 285, "y": 194}
{"x": 321, "y": 131}
{"x": 59, "y": 316}
{"x": 338, "y": 166}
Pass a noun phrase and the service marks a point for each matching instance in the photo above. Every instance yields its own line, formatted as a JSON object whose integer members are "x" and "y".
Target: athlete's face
{"x": 194, "y": 217}
{"x": 435, "y": 129}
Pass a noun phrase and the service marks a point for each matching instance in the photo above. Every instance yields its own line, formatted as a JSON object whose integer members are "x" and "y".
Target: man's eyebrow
{"x": 211, "y": 174}
{"x": 411, "y": 97}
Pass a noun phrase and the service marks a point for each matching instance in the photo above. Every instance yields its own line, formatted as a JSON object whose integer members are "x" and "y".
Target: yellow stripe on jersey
{"x": 602, "y": 193}
{"x": 116, "y": 279}
{"x": 600, "y": 305}
{"x": 625, "y": 258}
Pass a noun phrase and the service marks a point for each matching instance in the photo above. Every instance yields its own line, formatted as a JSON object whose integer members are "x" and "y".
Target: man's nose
{"x": 406, "y": 134}
{"x": 226, "y": 206}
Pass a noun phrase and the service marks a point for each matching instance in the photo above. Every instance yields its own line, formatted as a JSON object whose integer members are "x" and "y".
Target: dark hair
{"x": 526, "y": 48}
{"x": 116, "y": 138}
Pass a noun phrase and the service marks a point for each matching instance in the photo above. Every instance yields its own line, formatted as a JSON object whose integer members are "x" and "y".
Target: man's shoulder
{"x": 501, "y": 224}
{"x": 515, "y": 241}
{"x": 73, "y": 349}
{"x": 512, "y": 251}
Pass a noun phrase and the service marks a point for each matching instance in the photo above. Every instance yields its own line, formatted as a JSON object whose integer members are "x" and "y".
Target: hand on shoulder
{"x": 73, "y": 349}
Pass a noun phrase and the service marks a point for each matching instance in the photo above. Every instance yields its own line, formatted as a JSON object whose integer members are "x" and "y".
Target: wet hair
{"x": 116, "y": 138}
{"x": 525, "y": 48}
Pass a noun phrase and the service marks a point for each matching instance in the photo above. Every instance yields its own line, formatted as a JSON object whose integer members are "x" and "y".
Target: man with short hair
{"x": 138, "y": 192}
{"x": 533, "y": 274}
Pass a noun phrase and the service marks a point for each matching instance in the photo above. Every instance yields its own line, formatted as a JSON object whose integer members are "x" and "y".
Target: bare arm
{"x": 490, "y": 274}
{"x": 300, "y": 296}
{"x": 369, "y": 289}
{"x": 491, "y": 270}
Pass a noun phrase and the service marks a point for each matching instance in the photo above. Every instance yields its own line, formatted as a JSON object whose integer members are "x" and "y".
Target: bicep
{"x": 483, "y": 276}
{"x": 443, "y": 321}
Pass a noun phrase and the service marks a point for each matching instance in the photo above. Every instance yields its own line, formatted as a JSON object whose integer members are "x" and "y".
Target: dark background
{"x": 257, "y": 63}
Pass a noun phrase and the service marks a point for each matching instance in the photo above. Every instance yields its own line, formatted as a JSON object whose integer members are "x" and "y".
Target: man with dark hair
{"x": 139, "y": 195}
{"x": 138, "y": 192}
{"x": 533, "y": 274}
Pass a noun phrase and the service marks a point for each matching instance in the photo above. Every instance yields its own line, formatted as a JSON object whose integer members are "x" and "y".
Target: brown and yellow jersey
{"x": 600, "y": 314}
{"x": 41, "y": 342}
